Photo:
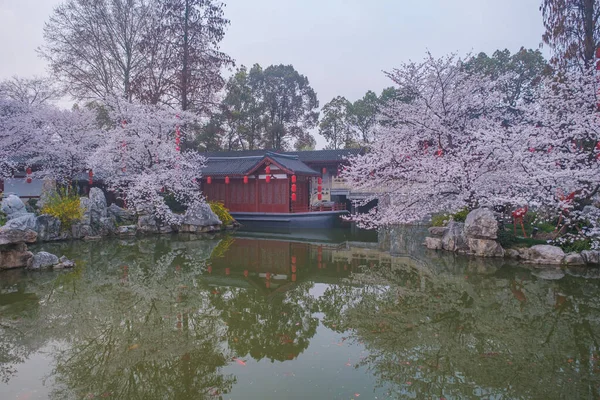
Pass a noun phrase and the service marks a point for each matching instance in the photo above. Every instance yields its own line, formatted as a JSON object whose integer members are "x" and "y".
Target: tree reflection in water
{"x": 159, "y": 317}
{"x": 472, "y": 335}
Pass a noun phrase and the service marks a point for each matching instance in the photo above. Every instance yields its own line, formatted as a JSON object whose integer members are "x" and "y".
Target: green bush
{"x": 222, "y": 212}
{"x": 461, "y": 216}
{"x": 2, "y": 218}
{"x": 439, "y": 219}
{"x": 506, "y": 238}
{"x": 64, "y": 204}
{"x": 576, "y": 246}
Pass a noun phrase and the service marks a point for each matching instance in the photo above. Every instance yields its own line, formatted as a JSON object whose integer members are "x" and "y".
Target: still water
{"x": 305, "y": 316}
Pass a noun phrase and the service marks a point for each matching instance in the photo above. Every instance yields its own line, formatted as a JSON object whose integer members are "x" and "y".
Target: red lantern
{"x": 28, "y": 175}
{"x": 28, "y": 179}
{"x": 245, "y": 179}
{"x": 319, "y": 189}
{"x": 268, "y": 275}
{"x": 293, "y": 277}
{"x": 209, "y": 180}
{"x": 320, "y": 196}
{"x": 268, "y": 178}
{"x": 227, "y": 180}
{"x": 227, "y": 271}
{"x": 324, "y": 170}
{"x": 294, "y": 269}
{"x": 293, "y": 259}
{"x": 293, "y": 188}
{"x": 91, "y": 175}
{"x": 293, "y": 178}
{"x": 209, "y": 269}
{"x": 246, "y": 273}
{"x": 268, "y": 170}
{"x": 293, "y": 196}
{"x": 28, "y": 171}
{"x": 320, "y": 181}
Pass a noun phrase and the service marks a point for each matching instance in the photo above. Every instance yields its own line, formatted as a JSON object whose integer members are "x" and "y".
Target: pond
{"x": 306, "y": 316}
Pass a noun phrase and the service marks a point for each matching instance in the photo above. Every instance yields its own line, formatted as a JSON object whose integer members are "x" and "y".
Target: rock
{"x": 48, "y": 190}
{"x": 14, "y": 256}
{"x": 13, "y": 207}
{"x": 43, "y": 260}
{"x": 591, "y": 256}
{"x": 549, "y": 274}
{"x": 22, "y": 222}
{"x": 106, "y": 226}
{"x": 49, "y": 229}
{"x": 79, "y": 231}
{"x": 584, "y": 272}
{"x": 437, "y": 231}
{"x": 200, "y": 215}
{"x": 545, "y": 254}
{"x": 10, "y": 236}
{"x": 97, "y": 205}
{"x": 127, "y": 230}
{"x": 64, "y": 262}
{"x": 485, "y": 247}
{"x": 148, "y": 224}
{"x": 481, "y": 224}
{"x": 122, "y": 215}
{"x": 433, "y": 243}
{"x": 512, "y": 253}
{"x": 84, "y": 203}
{"x": 574, "y": 259}
{"x": 453, "y": 239}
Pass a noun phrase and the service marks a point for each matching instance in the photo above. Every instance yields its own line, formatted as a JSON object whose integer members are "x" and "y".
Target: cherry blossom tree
{"x": 142, "y": 159}
{"x": 443, "y": 150}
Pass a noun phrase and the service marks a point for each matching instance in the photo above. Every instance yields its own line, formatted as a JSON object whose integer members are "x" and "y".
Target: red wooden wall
{"x": 255, "y": 196}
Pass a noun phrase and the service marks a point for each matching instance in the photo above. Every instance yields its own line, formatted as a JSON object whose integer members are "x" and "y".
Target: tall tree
{"x": 334, "y": 126}
{"x": 93, "y": 46}
{"x": 32, "y": 91}
{"x": 525, "y": 71}
{"x": 572, "y": 30}
{"x": 291, "y": 105}
{"x": 197, "y": 26}
{"x": 363, "y": 116}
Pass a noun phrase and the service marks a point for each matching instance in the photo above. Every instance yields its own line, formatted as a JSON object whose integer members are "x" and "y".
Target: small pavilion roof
{"x": 308, "y": 156}
{"x": 232, "y": 165}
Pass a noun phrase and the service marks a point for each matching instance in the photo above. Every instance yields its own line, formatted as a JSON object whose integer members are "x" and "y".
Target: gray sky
{"x": 342, "y": 46}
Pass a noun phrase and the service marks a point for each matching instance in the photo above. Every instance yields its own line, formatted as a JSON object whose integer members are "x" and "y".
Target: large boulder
{"x": 149, "y": 224}
{"x": 591, "y": 256}
{"x": 437, "y": 231}
{"x": 84, "y": 203}
{"x": 43, "y": 260}
{"x": 97, "y": 205}
{"x": 14, "y": 256}
{"x": 481, "y": 224}
{"x": 485, "y": 247}
{"x": 22, "y": 222}
{"x": 454, "y": 239}
{"x": 13, "y": 207}
{"x": 200, "y": 215}
{"x": 79, "y": 231}
{"x": 127, "y": 230}
{"x": 545, "y": 254}
{"x": 574, "y": 259}
{"x": 49, "y": 228}
{"x": 48, "y": 190}
{"x": 122, "y": 215}
{"x": 433, "y": 243}
{"x": 11, "y": 236}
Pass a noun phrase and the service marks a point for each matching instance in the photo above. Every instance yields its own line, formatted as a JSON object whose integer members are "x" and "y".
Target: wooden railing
{"x": 319, "y": 208}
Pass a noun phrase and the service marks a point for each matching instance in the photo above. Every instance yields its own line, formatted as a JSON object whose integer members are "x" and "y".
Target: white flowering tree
{"x": 440, "y": 149}
{"x": 17, "y": 127}
{"x": 142, "y": 158}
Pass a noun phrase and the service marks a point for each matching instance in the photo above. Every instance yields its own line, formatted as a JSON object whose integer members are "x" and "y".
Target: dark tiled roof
{"x": 241, "y": 165}
{"x": 304, "y": 156}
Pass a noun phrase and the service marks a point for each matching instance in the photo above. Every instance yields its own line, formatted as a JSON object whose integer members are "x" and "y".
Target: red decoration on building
{"x": 227, "y": 180}
{"x": 293, "y": 196}
{"x": 91, "y": 175}
{"x": 293, "y": 259}
{"x": 319, "y": 189}
{"x": 209, "y": 269}
{"x": 293, "y": 277}
{"x": 294, "y": 177}
{"x": 324, "y": 170}
{"x": 320, "y": 196}
{"x": 209, "y": 180}
{"x": 294, "y": 269}
{"x": 293, "y": 188}
{"x": 28, "y": 175}
{"x": 246, "y": 179}
{"x": 320, "y": 181}
{"x": 227, "y": 271}
{"x": 268, "y": 170}
{"x": 268, "y": 178}
{"x": 246, "y": 273}
{"x": 268, "y": 275}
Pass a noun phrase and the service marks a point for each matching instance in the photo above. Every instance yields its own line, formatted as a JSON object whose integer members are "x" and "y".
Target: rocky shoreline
{"x": 99, "y": 220}
{"x": 478, "y": 236}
